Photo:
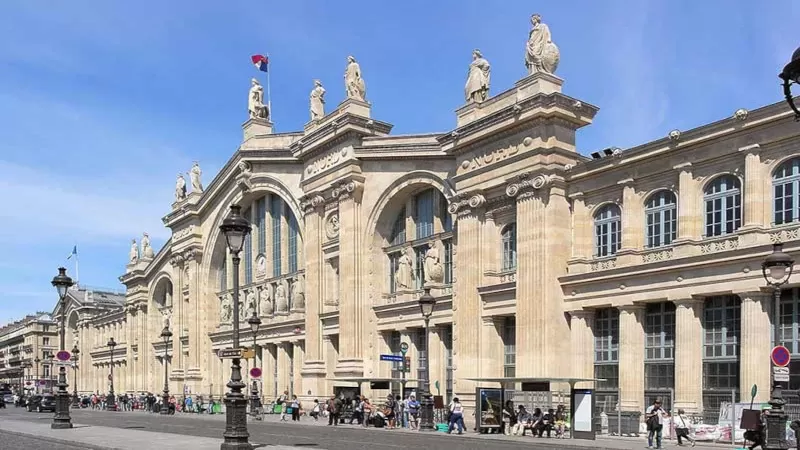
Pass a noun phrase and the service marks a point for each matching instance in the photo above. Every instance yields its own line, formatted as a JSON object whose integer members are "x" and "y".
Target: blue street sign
{"x": 392, "y": 358}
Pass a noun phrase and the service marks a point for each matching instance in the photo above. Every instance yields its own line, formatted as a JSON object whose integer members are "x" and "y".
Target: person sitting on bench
{"x": 523, "y": 421}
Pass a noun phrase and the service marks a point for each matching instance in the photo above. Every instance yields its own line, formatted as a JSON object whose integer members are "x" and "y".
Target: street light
{"x": 61, "y": 418}
{"x": 790, "y": 75}
{"x": 235, "y": 228}
{"x": 36, "y": 362}
{"x": 254, "y": 322}
{"x": 776, "y": 268}
{"x": 426, "y": 305}
{"x": 76, "y": 402}
{"x": 111, "y": 403}
{"x": 166, "y": 335}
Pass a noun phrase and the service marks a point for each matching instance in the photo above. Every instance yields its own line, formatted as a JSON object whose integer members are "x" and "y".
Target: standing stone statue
{"x": 255, "y": 101}
{"x": 404, "y": 275}
{"x": 147, "y": 250}
{"x": 541, "y": 54}
{"x": 356, "y": 88}
{"x": 434, "y": 272}
{"x": 134, "y": 253}
{"x": 281, "y": 302}
{"x": 317, "y": 101}
{"x": 298, "y": 293}
{"x": 251, "y": 303}
{"x": 477, "y": 88}
{"x": 167, "y": 318}
{"x": 265, "y": 304}
{"x": 180, "y": 188}
{"x": 225, "y": 309}
{"x": 242, "y": 306}
{"x": 195, "y": 174}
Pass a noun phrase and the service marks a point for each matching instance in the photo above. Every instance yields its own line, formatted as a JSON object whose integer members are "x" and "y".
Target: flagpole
{"x": 77, "y": 274}
{"x": 269, "y": 97}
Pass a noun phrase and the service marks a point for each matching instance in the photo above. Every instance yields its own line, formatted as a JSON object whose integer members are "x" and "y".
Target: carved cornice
{"x": 526, "y": 182}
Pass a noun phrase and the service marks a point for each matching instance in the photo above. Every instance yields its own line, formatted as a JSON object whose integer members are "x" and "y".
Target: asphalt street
{"x": 9, "y": 441}
{"x": 265, "y": 434}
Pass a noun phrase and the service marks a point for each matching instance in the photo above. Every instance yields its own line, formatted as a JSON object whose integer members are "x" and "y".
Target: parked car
{"x": 8, "y": 398}
{"x": 42, "y": 402}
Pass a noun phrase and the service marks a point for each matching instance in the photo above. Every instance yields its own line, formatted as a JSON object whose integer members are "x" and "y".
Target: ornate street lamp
{"x": 111, "y": 400}
{"x": 254, "y": 322}
{"x": 36, "y": 362}
{"x": 426, "y": 305}
{"x": 790, "y": 75}
{"x": 166, "y": 335}
{"x": 235, "y": 228}
{"x": 776, "y": 268}
{"x": 76, "y": 401}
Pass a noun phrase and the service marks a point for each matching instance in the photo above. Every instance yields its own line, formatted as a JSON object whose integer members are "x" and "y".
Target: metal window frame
{"x": 730, "y": 206}
{"x": 608, "y": 230}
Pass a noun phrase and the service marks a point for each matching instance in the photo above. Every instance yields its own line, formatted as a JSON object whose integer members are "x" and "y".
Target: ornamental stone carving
{"x": 328, "y": 160}
{"x": 720, "y": 245}
{"x": 659, "y": 255}
{"x": 147, "y": 250}
{"x": 183, "y": 232}
{"x": 344, "y": 190}
{"x": 780, "y": 236}
{"x": 434, "y": 272}
{"x": 265, "y": 305}
{"x": 675, "y": 135}
{"x": 332, "y": 226}
{"x": 741, "y": 114}
{"x": 604, "y": 264}
{"x": 476, "y": 201}
{"x": 225, "y": 308}
{"x": 252, "y": 303}
{"x": 541, "y": 54}
{"x": 298, "y": 293}
{"x": 243, "y": 178}
{"x": 281, "y": 299}
{"x": 404, "y": 275}
{"x": 261, "y": 266}
{"x": 526, "y": 182}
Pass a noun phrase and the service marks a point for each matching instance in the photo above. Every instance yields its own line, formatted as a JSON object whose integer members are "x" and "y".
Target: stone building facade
{"x": 637, "y": 266}
{"x": 21, "y": 342}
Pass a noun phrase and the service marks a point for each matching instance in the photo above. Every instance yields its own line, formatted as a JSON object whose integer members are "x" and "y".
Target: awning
{"x": 507, "y": 380}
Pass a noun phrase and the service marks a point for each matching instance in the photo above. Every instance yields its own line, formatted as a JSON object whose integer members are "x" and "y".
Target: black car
{"x": 41, "y": 403}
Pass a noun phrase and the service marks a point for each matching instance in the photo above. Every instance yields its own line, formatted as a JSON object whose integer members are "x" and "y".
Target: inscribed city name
{"x": 488, "y": 158}
{"x": 327, "y": 161}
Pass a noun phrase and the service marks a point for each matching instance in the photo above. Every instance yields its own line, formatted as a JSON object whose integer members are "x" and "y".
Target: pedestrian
{"x": 282, "y": 400}
{"x": 357, "y": 410}
{"x": 681, "y": 429}
{"x": 509, "y": 417}
{"x": 295, "y": 409}
{"x": 654, "y": 417}
{"x": 315, "y": 411}
{"x": 456, "y": 416}
{"x": 413, "y": 412}
{"x": 389, "y": 412}
{"x": 367, "y": 410}
{"x": 333, "y": 416}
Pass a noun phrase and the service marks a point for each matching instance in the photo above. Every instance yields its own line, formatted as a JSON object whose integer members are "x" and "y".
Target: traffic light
{"x": 407, "y": 364}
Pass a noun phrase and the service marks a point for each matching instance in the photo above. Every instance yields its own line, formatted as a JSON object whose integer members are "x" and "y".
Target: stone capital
{"x": 631, "y": 309}
{"x": 750, "y": 149}
{"x": 582, "y": 314}
{"x": 348, "y": 190}
{"x": 689, "y": 302}
{"x": 467, "y": 202}
{"x": 756, "y": 296}
{"x": 526, "y": 182}
{"x": 683, "y": 167}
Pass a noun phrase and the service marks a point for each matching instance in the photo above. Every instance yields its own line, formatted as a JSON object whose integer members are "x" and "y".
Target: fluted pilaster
{"x": 631, "y": 357}
{"x": 756, "y": 344}
{"x": 582, "y": 340}
{"x": 314, "y": 364}
{"x": 632, "y": 212}
{"x": 689, "y": 354}
{"x": 754, "y": 187}
{"x": 581, "y": 227}
{"x": 689, "y": 221}
{"x": 351, "y": 310}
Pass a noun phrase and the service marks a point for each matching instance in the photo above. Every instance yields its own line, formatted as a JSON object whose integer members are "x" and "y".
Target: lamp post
{"x": 166, "y": 335}
{"x": 790, "y": 75}
{"x": 254, "y": 322}
{"x": 76, "y": 402}
{"x": 111, "y": 402}
{"x": 36, "y": 362}
{"x": 426, "y": 305}
{"x": 776, "y": 268}
{"x": 235, "y": 228}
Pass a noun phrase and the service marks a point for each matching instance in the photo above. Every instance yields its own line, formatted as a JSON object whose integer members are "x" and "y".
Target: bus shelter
{"x": 375, "y": 383}
{"x": 489, "y": 402}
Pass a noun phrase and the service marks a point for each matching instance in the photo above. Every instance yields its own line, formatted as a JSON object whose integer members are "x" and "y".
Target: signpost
{"x": 391, "y": 358}
{"x": 780, "y": 374}
{"x": 780, "y": 356}
{"x": 255, "y": 372}
{"x": 404, "y": 348}
{"x": 229, "y": 353}
{"x": 63, "y": 355}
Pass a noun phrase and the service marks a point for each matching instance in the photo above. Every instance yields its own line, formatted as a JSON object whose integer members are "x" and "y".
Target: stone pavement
{"x": 107, "y": 438}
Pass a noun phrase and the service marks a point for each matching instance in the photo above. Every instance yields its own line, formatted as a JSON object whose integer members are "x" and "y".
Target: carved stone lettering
{"x": 485, "y": 159}
{"x": 327, "y": 161}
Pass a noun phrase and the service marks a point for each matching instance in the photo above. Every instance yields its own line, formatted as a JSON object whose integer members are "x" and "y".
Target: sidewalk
{"x": 106, "y": 438}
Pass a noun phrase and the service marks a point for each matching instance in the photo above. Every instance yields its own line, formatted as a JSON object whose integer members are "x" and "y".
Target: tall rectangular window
{"x": 422, "y": 353}
{"x": 606, "y": 348}
{"x": 292, "y": 240}
{"x": 223, "y": 272}
{"x": 394, "y": 348}
{"x": 290, "y": 354}
{"x": 448, "y": 261}
{"x": 509, "y": 347}
{"x": 424, "y": 214}
{"x": 276, "y": 207}
{"x": 394, "y": 262}
{"x": 447, "y": 340}
{"x": 419, "y": 266}
{"x": 659, "y": 363}
{"x": 447, "y": 219}
{"x": 399, "y": 228}
{"x": 261, "y": 214}
{"x": 721, "y": 337}
{"x": 248, "y": 252}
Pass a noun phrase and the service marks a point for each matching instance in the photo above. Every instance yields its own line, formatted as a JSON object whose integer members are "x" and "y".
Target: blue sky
{"x": 102, "y": 103}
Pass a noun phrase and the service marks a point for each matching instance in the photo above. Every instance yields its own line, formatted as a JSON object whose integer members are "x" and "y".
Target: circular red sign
{"x": 28, "y": 383}
{"x": 63, "y": 355}
{"x": 780, "y": 356}
{"x": 42, "y": 383}
{"x": 255, "y": 372}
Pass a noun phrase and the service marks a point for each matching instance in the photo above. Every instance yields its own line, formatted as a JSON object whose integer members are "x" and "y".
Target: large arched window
{"x": 661, "y": 215}
{"x": 510, "y": 247}
{"x": 723, "y": 206}
{"x": 607, "y": 230}
{"x": 786, "y": 186}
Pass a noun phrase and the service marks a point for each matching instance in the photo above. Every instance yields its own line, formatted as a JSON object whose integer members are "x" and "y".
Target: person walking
{"x": 282, "y": 402}
{"x": 366, "y": 408}
{"x": 316, "y": 410}
{"x": 456, "y": 417}
{"x": 654, "y": 417}
{"x": 681, "y": 429}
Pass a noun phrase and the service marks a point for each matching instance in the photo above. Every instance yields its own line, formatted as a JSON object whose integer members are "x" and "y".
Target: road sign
{"x": 28, "y": 383}
{"x": 229, "y": 353}
{"x": 780, "y": 374}
{"x": 403, "y": 347}
{"x": 392, "y": 358}
{"x": 42, "y": 383}
{"x": 63, "y": 355}
{"x": 248, "y": 353}
{"x": 780, "y": 356}
{"x": 255, "y": 372}
{"x": 63, "y": 363}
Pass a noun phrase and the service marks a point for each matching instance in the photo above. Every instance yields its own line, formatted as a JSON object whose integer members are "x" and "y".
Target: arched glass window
{"x": 223, "y": 273}
{"x": 786, "y": 186}
{"x": 399, "y": 228}
{"x": 723, "y": 200}
{"x": 607, "y": 230}
{"x": 510, "y": 247}
{"x": 662, "y": 223}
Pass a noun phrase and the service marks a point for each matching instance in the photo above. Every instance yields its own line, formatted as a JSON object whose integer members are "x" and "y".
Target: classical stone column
{"x": 543, "y": 248}
{"x": 283, "y": 366}
{"x": 689, "y": 354}
{"x": 436, "y": 358}
{"x": 581, "y": 226}
{"x": 631, "y": 357}
{"x": 297, "y": 366}
{"x": 492, "y": 347}
{"x": 313, "y": 370}
{"x": 689, "y": 200}
{"x": 331, "y": 357}
{"x": 582, "y": 340}
{"x": 755, "y": 186}
{"x": 351, "y": 310}
{"x": 756, "y": 344}
{"x": 199, "y": 312}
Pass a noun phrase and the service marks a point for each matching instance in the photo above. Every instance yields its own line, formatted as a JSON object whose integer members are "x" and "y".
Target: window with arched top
{"x": 399, "y": 229}
{"x": 661, "y": 213}
{"x": 607, "y": 230}
{"x": 786, "y": 189}
{"x": 509, "y": 239}
{"x": 723, "y": 206}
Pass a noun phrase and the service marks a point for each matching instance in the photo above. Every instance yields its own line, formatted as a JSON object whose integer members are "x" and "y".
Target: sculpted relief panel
{"x": 328, "y": 160}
